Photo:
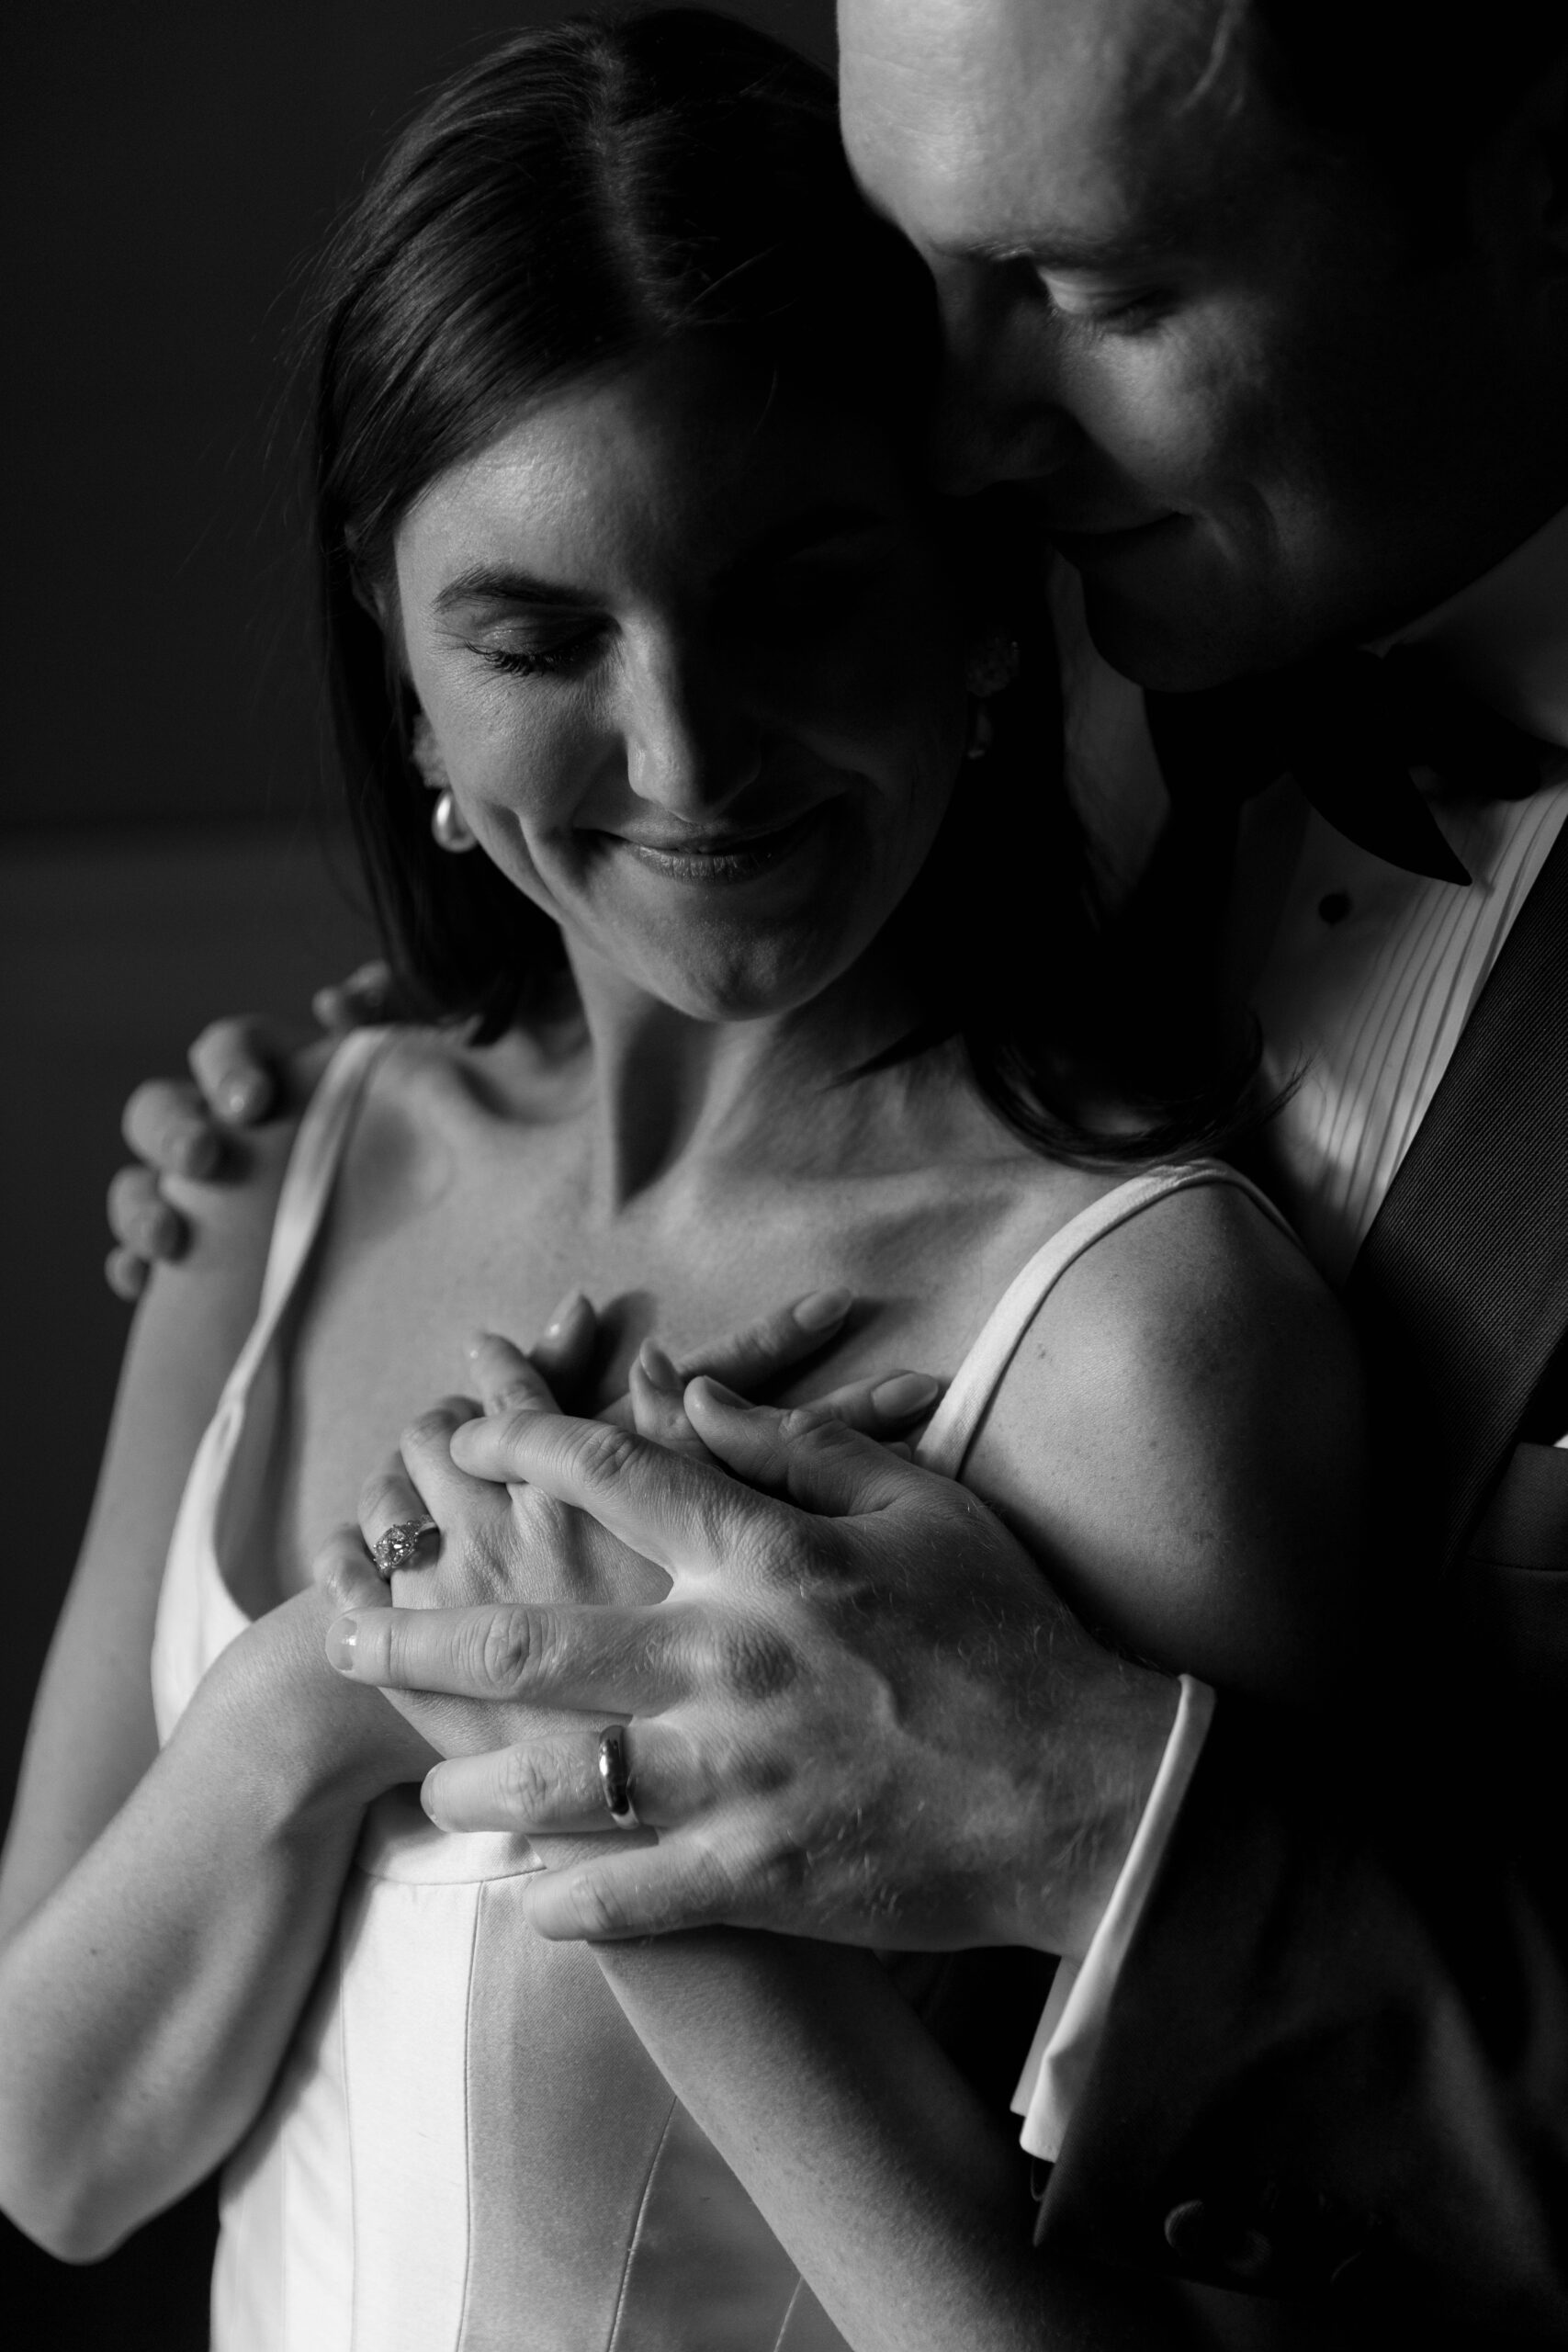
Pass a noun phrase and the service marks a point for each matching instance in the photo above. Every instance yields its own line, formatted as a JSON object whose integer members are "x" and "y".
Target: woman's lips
{"x": 723, "y": 857}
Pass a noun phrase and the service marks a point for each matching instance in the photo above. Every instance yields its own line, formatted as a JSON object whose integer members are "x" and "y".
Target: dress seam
{"x": 469, "y": 2166}
{"x": 637, "y": 2228}
{"x": 789, "y": 2314}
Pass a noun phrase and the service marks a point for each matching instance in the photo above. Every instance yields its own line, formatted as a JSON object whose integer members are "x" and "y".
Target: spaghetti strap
{"x": 307, "y": 1188}
{"x": 951, "y": 1431}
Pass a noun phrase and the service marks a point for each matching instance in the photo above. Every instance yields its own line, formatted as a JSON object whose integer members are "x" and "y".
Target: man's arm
{"x": 1331, "y": 2038}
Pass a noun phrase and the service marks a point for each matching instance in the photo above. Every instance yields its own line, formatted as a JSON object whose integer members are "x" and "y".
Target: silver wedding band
{"x": 398, "y": 1547}
{"x": 615, "y": 1776}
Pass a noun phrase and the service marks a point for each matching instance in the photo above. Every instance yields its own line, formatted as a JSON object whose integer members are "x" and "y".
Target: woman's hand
{"x": 296, "y": 1718}
{"x": 493, "y": 1543}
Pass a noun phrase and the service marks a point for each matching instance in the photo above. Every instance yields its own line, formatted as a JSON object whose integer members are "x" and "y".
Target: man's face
{"x": 1254, "y": 413}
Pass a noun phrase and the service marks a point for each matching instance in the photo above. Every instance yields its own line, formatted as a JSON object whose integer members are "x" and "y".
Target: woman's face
{"x": 694, "y": 674}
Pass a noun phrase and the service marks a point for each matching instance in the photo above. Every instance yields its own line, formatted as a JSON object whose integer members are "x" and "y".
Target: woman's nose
{"x": 691, "y": 742}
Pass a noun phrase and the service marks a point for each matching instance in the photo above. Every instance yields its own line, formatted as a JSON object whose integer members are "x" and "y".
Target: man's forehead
{"x": 978, "y": 123}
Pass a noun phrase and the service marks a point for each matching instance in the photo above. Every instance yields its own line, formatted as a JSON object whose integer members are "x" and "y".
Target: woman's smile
{"x": 761, "y": 698}
{"x": 720, "y": 856}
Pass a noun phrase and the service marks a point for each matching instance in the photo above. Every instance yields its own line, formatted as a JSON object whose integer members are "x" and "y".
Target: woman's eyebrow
{"x": 504, "y": 584}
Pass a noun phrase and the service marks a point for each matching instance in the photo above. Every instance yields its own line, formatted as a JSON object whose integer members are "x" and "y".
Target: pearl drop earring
{"x": 446, "y": 823}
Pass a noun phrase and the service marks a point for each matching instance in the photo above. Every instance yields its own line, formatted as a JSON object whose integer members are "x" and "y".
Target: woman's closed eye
{"x": 534, "y": 652}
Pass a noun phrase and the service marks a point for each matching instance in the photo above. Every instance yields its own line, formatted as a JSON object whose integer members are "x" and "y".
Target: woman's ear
{"x": 425, "y": 752}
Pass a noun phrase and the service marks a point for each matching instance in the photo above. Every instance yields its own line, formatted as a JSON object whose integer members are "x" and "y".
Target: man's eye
{"x": 1104, "y": 307}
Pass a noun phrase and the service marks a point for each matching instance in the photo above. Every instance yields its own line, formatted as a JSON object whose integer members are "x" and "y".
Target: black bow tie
{"x": 1349, "y": 727}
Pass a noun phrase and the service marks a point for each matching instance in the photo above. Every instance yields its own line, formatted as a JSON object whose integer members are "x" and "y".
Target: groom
{"x": 1263, "y": 306}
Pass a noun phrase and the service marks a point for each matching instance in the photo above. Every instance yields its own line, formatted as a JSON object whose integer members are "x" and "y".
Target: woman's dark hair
{"x": 586, "y": 196}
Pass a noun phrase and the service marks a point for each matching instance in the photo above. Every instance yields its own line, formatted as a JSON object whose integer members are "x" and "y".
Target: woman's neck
{"x": 674, "y": 1100}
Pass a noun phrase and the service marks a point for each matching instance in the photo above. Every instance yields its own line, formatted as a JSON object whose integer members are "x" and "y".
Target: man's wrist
{"x": 1099, "y": 1778}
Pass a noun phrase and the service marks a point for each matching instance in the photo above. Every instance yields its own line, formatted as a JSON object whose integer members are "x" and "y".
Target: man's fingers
{"x": 674, "y": 1511}
{"x": 168, "y": 1126}
{"x": 749, "y": 1359}
{"x": 554, "y": 1783}
{"x": 141, "y": 1219}
{"x": 504, "y": 1379}
{"x": 238, "y": 1065}
{"x": 641, "y": 1891}
{"x": 880, "y": 1403}
{"x": 365, "y": 997}
{"x": 817, "y": 1462}
{"x": 125, "y": 1273}
{"x": 590, "y": 1657}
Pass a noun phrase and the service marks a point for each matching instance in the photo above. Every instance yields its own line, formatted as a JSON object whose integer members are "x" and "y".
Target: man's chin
{"x": 1179, "y": 641}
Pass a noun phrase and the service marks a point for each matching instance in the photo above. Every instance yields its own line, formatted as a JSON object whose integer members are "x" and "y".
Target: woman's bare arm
{"x": 161, "y": 1916}
{"x": 1181, "y": 1443}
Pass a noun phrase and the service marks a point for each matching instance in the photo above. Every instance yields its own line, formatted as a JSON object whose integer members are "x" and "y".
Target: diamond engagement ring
{"x": 398, "y": 1547}
{"x": 615, "y": 1776}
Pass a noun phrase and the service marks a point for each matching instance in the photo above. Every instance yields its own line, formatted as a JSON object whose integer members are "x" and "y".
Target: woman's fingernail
{"x": 658, "y": 1368}
{"x": 823, "y": 1309}
{"x": 716, "y": 1392}
{"x": 905, "y": 1393}
{"x": 561, "y": 1315}
{"x": 340, "y": 1639}
{"x": 427, "y": 1794}
{"x": 238, "y": 1097}
{"x": 476, "y": 1344}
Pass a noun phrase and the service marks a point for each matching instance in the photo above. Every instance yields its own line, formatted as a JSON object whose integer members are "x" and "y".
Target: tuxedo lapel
{"x": 1461, "y": 1289}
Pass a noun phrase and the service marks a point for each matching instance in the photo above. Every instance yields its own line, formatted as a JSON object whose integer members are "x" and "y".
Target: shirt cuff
{"x": 1070, "y": 2027}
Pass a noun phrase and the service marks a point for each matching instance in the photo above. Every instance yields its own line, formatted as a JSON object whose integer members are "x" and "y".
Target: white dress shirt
{"x": 1363, "y": 978}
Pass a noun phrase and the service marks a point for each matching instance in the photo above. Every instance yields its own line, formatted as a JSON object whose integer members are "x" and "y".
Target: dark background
{"x": 167, "y": 850}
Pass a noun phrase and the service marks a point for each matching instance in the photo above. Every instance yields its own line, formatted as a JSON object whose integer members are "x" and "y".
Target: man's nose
{"x": 691, "y": 742}
{"x": 999, "y": 416}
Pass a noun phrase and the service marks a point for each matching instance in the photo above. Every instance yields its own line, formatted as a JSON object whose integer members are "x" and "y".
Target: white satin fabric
{"x": 467, "y": 2148}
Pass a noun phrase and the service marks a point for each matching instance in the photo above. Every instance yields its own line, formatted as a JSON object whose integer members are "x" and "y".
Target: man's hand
{"x": 178, "y": 1126}
{"x": 860, "y": 1713}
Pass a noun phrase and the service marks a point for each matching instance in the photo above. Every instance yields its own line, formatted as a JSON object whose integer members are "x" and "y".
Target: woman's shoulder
{"x": 1184, "y": 1425}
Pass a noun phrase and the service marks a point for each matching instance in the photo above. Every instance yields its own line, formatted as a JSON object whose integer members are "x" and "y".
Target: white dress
{"x": 467, "y": 2148}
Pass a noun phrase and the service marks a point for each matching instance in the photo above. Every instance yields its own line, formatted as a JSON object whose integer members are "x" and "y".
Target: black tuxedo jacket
{"x": 1336, "y": 2062}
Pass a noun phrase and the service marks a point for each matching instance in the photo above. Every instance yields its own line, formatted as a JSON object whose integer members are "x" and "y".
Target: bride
{"x": 704, "y": 806}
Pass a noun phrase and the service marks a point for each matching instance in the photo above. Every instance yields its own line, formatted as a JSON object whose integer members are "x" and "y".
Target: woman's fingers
{"x": 563, "y": 1353}
{"x": 391, "y": 1498}
{"x": 425, "y": 1447}
{"x": 504, "y": 1379}
{"x": 669, "y": 1507}
{"x": 344, "y": 1570}
{"x": 658, "y": 1408}
{"x": 569, "y": 1657}
{"x": 554, "y": 1783}
{"x": 749, "y": 1359}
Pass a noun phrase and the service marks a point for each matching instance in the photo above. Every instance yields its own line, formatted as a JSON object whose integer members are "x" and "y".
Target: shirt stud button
{"x": 1334, "y": 907}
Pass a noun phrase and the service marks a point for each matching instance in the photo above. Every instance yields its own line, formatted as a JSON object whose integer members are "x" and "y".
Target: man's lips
{"x": 1081, "y": 546}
